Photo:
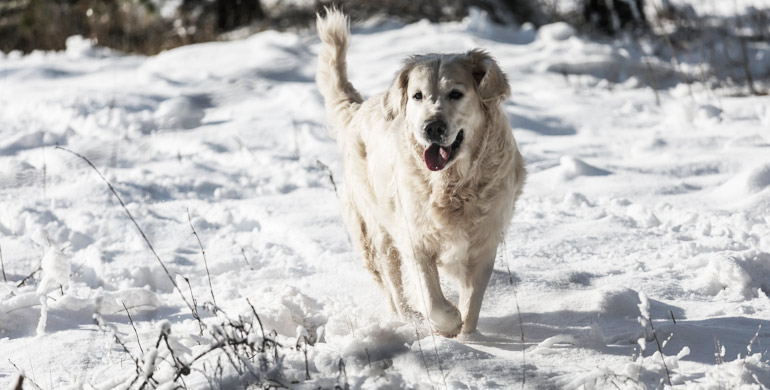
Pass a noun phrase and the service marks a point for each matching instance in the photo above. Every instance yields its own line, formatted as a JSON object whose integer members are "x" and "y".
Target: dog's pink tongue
{"x": 436, "y": 156}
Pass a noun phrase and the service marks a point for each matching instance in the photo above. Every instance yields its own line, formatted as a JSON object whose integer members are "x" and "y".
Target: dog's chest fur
{"x": 458, "y": 206}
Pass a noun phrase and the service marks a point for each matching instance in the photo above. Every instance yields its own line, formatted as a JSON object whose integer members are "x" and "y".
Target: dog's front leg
{"x": 472, "y": 288}
{"x": 442, "y": 314}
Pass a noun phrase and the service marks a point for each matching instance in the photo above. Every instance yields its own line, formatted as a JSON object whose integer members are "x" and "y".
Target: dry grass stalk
{"x": 136, "y": 224}
{"x": 205, "y": 262}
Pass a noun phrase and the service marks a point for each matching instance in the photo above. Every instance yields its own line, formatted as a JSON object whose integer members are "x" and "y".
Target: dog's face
{"x": 444, "y": 100}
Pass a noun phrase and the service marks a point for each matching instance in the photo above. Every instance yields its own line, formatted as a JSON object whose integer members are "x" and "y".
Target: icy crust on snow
{"x": 634, "y": 216}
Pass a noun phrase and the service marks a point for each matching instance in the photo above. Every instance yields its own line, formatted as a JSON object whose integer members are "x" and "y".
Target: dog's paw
{"x": 446, "y": 320}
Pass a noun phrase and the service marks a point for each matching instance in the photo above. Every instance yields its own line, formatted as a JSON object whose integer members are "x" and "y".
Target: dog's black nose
{"x": 435, "y": 130}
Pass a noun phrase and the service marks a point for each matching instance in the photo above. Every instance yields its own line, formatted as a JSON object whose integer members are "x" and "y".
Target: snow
{"x": 631, "y": 210}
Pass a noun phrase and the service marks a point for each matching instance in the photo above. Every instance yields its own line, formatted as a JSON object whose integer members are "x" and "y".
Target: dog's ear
{"x": 394, "y": 100}
{"x": 491, "y": 82}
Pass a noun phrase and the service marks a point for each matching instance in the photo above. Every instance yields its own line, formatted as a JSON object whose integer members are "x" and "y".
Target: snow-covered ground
{"x": 632, "y": 212}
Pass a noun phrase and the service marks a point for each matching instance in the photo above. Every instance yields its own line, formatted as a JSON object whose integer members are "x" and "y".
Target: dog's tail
{"x": 341, "y": 98}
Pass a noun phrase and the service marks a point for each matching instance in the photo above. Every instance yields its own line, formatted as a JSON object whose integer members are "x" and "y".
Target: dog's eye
{"x": 455, "y": 95}
{"x": 417, "y": 96}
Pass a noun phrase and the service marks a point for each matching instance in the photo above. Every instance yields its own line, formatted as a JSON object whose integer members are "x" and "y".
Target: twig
{"x": 343, "y": 375}
{"x": 101, "y": 324}
{"x": 22, "y": 377}
{"x": 662, "y": 358}
{"x": 259, "y": 321}
{"x": 245, "y": 259}
{"x": 2, "y": 265}
{"x": 331, "y": 176}
{"x": 131, "y": 320}
{"x": 744, "y": 52}
{"x": 28, "y": 277}
{"x": 205, "y": 262}
{"x": 753, "y": 339}
{"x": 19, "y": 383}
{"x": 518, "y": 314}
{"x": 674, "y": 53}
{"x": 131, "y": 217}
{"x": 184, "y": 369}
{"x": 194, "y": 308}
{"x": 296, "y": 138}
{"x": 717, "y": 352}
{"x": 672, "y": 316}
{"x": 304, "y": 340}
{"x": 45, "y": 173}
{"x": 422, "y": 354}
{"x": 650, "y": 71}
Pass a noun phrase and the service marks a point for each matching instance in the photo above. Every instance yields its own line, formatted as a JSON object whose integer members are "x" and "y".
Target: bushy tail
{"x": 341, "y": 98}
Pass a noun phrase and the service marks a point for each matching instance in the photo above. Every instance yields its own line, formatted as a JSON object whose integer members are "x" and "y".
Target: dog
{"x": 431, "y": 174}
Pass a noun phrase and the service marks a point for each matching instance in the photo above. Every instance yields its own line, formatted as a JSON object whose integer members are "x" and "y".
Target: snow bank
{"x": 623, "y": 196}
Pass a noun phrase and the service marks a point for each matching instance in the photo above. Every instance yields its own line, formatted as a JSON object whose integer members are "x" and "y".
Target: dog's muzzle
{"x": 438, "y": 156}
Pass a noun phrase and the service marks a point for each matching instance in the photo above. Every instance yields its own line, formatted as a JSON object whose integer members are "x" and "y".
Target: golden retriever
{"x": 431, "y": 172}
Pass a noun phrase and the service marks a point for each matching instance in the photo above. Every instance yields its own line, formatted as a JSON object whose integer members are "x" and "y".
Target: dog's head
{"x": 445, "y": 99}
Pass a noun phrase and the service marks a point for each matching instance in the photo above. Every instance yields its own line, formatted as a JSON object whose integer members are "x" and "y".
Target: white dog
{"x": 431, "y": 174}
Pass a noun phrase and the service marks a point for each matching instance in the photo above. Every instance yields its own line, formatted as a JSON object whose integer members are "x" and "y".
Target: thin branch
{"x": 662, "y": 358}
{"x": 2, "y": 265}
{"x": 259, "y": 321}
{"x": 19, "y": 383}
{"x": 745, "y": 53}
{"x": 245, "y": 259}
{"x": 22, "y": 377}
{"x": 331, "y": 175}
{"x": 422, "y": 353}
{"x": 296, "y": 138}
{"x": 45, "y": 173}
{"x": 205, "y": 262}
{"x": 518, "y": 314}
{"x": 28, "y": 277}
{"x": 674, "y": 53}
{"x": 194, "y": 309}
{"x": 131, "y": 320}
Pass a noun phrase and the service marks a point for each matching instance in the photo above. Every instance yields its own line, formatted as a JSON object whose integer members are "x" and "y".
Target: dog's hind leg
{"x": 373, "y": 253}
{"x": 394, "y": 279}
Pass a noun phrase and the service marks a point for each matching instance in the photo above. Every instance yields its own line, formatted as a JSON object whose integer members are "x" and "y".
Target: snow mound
{"x": 735, "y": 277}
{"x": 745, "y": 184}
{"x": 708, "y": 112}
{"x": 572, "y": 167}
{"x": 559, "y": 31}
{"x": 359, "y": 346}
{"x": 618, "y": 302}
{"x": 757, "y": 179}
{"x": 575, "y": 200}
{"x": 288, "y": 309}
{"x": 642, "y": 217}
{"x": 181, "y": 112}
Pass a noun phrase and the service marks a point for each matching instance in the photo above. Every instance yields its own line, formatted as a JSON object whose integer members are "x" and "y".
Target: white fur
{"x": 403, "y": 217}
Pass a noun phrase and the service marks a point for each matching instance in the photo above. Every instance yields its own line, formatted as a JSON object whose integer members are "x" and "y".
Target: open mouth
{"x": 438, "y": 156}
